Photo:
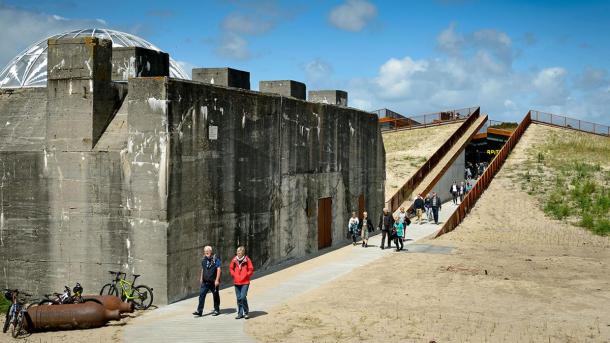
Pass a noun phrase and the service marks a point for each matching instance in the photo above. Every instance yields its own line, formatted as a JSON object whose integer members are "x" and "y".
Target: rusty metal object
{"x": 112, "y": 302}
{"x": 471, "y": 198}
{"x": 70, "y": 316}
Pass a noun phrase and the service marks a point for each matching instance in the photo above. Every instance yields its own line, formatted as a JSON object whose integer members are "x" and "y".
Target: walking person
{"x": 461, "y": 191}
{"x": 386, "y": 222}
{"x": 241, "y": 269}
{"x": 366, "y": 227}
{"x": 352, "y": 227}
{"x": 428, "y": 208}
{"x": 402, "y": 218}
{"x": 418, "y": 205}
{"x": 454, "y": 192}
{"x": 435, "y": 203}
{"x": 397, "y": 233}
{"x": 209, "y": 280}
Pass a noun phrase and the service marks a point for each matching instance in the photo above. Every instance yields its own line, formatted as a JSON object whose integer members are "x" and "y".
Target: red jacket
{"x": 241, "y": 272}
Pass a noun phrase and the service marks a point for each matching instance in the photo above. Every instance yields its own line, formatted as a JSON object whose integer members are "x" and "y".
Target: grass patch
{"x": 570, "y": 175}
{"x": 505, "y": 126}
{"x": 4, "y": 304}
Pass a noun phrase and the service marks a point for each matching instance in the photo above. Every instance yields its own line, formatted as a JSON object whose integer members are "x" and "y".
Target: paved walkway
{"x": 176, "y": 323}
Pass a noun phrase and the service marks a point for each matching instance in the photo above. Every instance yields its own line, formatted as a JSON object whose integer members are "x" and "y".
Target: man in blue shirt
{"x": 209, "y": 281}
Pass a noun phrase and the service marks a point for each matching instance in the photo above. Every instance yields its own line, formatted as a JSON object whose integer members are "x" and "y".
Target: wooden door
{"x": 325, "y": 215}
{"x": 360, "y": 206}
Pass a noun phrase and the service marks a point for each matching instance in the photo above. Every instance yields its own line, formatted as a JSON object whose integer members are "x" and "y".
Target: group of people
{"x": 474, "y": 171}
{"x": 459, "y": 191}
{"x": 430, "y": 205}
{"x": 241, "y": 269}
{"x": 393, "y": 228}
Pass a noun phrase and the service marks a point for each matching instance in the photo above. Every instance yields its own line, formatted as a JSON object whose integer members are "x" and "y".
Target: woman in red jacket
{"x": 241, "y": 269}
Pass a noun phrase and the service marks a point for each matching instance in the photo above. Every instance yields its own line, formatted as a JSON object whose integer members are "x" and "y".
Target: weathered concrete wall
{"x": 257, "y": 183}
{"x": 147, "y": 184}
{"x": 454, "y": 173}
{"x": 23, "y": 122}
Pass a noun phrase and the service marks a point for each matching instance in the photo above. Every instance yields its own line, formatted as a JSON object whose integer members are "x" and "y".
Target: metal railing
{"x": 483, "y": 182}
{"x": 408, "y": 187}
{"x": 570, "y": 123}
{"x": 389, "y": 122}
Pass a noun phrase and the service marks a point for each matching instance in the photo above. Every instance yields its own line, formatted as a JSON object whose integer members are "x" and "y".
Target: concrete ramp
{"x": 434, "y": 169}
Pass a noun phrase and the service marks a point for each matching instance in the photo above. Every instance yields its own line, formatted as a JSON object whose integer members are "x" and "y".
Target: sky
{"x": 412, "y": 57}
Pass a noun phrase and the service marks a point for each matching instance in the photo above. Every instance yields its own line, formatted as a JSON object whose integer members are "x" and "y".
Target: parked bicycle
{"x": 140, "y": 295}
{"x": 17, "y": 313}
{"x": 74, "y": 296}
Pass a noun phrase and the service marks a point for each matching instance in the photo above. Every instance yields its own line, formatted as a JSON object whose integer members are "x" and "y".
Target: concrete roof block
{"x": 290, "y": 88}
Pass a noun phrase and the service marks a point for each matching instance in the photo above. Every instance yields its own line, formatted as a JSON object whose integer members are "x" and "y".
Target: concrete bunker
{"x": 101, "y": 174}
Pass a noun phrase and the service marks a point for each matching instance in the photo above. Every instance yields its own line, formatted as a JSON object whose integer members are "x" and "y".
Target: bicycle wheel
{"x": 7, "y": 321}
{"x": 143, "y": 297}
{"x": 109, "y": 289}
{"x": 18, "y": 324}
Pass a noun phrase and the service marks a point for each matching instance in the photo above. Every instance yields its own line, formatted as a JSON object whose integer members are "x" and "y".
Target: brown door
{"x": 360, "y": 206}
{"x": 325, "y": 215}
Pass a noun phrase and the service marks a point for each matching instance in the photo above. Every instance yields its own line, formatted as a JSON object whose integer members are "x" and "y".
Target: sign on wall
{"x": 213, "y": 133}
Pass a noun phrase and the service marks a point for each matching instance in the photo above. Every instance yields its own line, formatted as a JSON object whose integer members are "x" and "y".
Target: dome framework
{"x": 29, "y": 68}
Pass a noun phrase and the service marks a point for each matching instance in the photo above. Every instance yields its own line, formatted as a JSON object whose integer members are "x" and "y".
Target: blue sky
{"x": 409, "y": 56}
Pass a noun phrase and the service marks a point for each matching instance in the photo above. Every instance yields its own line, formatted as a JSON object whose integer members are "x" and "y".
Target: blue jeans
{"x": 241, "y": 293}
{"x": 203, "y": 291}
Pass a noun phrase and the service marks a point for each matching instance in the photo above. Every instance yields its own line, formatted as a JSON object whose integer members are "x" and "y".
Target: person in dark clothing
{"x": 386, "y": 222}
{"x": 418, "y": 205}
{"x": 454, "y": 192}
{"x": 435, "y": 203}
{"x": 428, "y": 208}
{"x": 209, "y": 280}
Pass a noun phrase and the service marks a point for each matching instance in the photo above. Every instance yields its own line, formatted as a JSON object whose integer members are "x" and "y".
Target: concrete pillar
{"x": 79, "y": 92}
{"x": 290, "y": 88}
{"x": 332, "y": 97}
{"x": 138, "y": 62}
{"x": 223, "y": 77}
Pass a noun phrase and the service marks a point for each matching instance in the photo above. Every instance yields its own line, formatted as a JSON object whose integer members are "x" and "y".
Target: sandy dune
{"x": 407, "y": 150}
{"x": 514, "y": 276}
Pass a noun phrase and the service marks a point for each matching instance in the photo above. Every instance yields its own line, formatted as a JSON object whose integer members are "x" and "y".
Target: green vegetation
{"x": 505, "y": 126}
{"x": 4, "y": 304}
{"x": 570, "y": 175}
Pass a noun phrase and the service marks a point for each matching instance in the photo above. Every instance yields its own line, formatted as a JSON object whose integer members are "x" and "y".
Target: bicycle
{"x": 141, "y": 295}
{"x": 17, "y": 313}
{"x": 67, "y": 297}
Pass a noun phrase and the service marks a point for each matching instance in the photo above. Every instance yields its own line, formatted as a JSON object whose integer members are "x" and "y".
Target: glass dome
{"x": 29, "y": 68}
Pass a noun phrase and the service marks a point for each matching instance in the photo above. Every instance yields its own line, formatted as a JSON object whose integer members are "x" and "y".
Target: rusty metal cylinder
{"x": 70, "y": 316}
{"x": 112, "y": 302}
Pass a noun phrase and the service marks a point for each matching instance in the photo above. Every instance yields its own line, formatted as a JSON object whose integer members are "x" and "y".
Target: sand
{"x": 407, "y": 150}
{"x": 112, "y": 332}
{"x": 514, "y": 276}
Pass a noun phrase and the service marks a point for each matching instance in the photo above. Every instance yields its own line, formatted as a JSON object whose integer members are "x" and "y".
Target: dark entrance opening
{"x": 325, "y": 216}
{"x": 360, "y": 205}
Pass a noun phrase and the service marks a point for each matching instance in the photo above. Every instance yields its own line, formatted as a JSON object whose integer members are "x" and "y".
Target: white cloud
{"x": 396, "y": 77}
{"x": 21, "y": 28}
{"x": 449, "y": 41}
{"x": 317, "y": 71}
{"x": 477, "y": 69}
{"x": 592, "y": 78}
{"x": 233, "y": 46}
{"x": 550, "y": 85}
{"x": 247, "y": 24}
{"x": 352, "y": 15}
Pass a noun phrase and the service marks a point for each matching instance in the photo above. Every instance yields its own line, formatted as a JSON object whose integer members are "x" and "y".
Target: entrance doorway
{"x": 360, "y": 206}
{"x": 325, "y": 216}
